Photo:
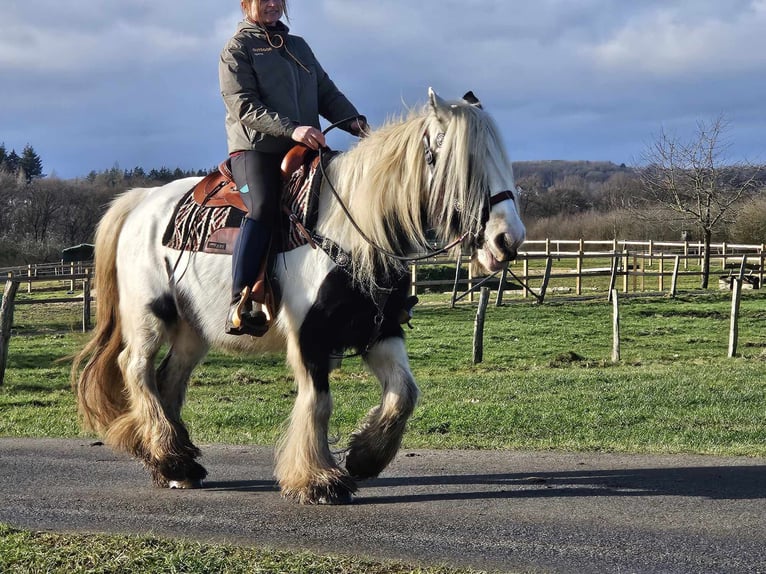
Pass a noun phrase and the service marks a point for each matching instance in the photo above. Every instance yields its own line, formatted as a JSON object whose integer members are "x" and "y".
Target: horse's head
{"x": 471, "y": 179}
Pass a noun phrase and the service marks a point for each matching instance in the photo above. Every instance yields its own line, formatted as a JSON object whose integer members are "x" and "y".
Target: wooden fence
{"x": 9, "y": 303}
{"x": 626, "y": 264}
{"x": 629, "y": 265}
{"x": 39, "y": 272}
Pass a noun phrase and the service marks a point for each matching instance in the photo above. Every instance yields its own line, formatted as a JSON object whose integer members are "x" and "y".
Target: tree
{"x": 690, "y": 179}
{"x": 31, "y": 163}
{"x": 12, "y": 162}
{"x": 41, "y": 201}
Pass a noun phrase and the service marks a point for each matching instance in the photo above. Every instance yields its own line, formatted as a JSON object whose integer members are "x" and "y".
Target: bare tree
{"x": 691, "y": 179}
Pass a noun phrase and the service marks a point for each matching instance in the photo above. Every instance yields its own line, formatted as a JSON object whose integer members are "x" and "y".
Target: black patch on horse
{"x": 164, "y": 308}
{"x": 343, "y": 317}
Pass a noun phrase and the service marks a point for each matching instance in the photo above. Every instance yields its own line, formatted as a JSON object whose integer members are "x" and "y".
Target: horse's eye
{"x": 440, "y": 139}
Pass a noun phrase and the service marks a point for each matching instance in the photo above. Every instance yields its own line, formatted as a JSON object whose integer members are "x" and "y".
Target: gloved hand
{"x": 359, "y": 127}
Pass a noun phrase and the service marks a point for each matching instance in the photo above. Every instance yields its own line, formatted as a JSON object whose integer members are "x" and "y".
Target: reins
{"x": 361, "y": 232}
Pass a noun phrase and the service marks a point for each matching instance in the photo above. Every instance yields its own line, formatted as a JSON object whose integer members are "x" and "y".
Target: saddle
{"x": 217, "y": 189}
{"x": 208, "y": 217}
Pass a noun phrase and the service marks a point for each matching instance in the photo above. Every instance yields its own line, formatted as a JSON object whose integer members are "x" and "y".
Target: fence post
{"x": 478, "y": 328}
{"x": 470, "y": 281}
{"x": 674, "y": 282}
{"x": 625, "y": 271}
{"x": 613, "y": 276}
{"x": 661, "y": 281}
{"x": 635, "y": 272}
{"x": 501, "y": 287}
{"x": 615, "y": 328}
{"x": 736, "y": 296}
{"x": 414, "y": 278}
{"x": 546, "y": 278}
{"x": 29, "y": 274}
{"x": 525, "y": 274}
{"x": 86, "y": 302}
{"x": 578, "y": 283}
{"x": 458, "y": 263}
{"x": 71, "y": 281}
{"x": 6, "y": 321}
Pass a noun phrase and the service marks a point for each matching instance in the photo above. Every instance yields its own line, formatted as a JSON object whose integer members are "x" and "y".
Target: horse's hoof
{"x": 187, "y": 484}
{"x": 333, "y": 492}
{"x": 337, "y": 499}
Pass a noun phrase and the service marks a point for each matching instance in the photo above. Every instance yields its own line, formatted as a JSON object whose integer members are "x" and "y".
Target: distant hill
{"x": 551, "y": 171}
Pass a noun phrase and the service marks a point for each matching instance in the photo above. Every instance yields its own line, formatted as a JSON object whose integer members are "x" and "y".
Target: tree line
{"x": 42, "y": 215}
{"x": 25, "y": 167}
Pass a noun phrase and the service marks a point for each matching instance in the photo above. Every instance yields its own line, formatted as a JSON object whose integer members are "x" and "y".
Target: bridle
{"x": 430, "y": 159}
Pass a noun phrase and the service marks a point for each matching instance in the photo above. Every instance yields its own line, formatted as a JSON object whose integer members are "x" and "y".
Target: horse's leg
{"x": 146, "y": 431}
{"x": 173, "y": 374}
{"x": 376, "y": 442}
{"x": 305, "y": 468}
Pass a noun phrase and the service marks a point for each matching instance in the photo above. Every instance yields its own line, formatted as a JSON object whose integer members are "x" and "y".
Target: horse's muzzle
{"x": 507, "y": 247}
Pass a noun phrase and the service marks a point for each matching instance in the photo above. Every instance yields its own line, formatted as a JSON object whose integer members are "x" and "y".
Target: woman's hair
{"x": 257, "y": 4}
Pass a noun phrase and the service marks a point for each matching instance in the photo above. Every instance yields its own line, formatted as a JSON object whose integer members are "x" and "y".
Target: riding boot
{"x": 250, "y": 251}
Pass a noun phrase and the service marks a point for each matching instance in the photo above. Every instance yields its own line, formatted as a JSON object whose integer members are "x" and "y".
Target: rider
{"x": 274, "y": 90}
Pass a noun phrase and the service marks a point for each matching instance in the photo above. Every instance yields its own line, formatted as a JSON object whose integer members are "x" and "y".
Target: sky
{"x": 94, "y": 84}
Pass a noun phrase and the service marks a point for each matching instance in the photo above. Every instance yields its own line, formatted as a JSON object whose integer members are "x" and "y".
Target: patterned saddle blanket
{"x": 214, "y": 229}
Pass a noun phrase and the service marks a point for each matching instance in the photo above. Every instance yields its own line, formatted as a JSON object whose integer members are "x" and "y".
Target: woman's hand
{"x": 309, "y": 136}
{"x": 359, "y": 127}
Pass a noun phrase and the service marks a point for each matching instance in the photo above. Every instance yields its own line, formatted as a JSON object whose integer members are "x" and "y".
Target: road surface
{"x": 497, "y": 510}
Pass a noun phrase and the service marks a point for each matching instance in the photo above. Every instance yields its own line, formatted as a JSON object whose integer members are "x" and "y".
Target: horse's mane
{"x": 383, "y": 181}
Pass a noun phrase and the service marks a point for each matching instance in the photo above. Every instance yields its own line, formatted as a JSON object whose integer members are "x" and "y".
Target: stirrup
{"x": 405, "y": 314}
{"x": 247, "y": 318}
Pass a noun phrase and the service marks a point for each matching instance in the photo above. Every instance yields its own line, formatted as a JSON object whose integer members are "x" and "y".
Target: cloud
{"x": 135, "y": 82}
{"x": 673, "y": 41}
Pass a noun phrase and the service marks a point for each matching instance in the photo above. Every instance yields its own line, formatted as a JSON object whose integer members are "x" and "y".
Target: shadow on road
{"x": 718, "y": 483}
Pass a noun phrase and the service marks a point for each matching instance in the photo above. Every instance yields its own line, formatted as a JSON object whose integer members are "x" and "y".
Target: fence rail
{"x": 630, "y": 262}
{"x": 9, "y": 302}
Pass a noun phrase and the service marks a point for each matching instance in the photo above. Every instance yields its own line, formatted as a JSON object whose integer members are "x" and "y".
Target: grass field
{"x": 546, "y": 382}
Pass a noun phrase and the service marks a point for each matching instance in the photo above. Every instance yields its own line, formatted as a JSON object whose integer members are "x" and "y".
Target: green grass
{"x": 546, "y": 382}
{"x": 24, "y": 552}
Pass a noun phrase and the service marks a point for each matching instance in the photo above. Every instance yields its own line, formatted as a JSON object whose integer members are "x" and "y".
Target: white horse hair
{"x": 395, "y": 196}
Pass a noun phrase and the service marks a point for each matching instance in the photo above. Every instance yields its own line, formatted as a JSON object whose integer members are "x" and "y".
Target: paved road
{"x": 510, "y": 511}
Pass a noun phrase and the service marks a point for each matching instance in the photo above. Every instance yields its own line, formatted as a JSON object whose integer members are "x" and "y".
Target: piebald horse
{"x": 442, "y": 169}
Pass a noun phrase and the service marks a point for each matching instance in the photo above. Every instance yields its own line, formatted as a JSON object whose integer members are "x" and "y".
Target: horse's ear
{"x": 471, "y": 98}
{"x": 439, "y": 106}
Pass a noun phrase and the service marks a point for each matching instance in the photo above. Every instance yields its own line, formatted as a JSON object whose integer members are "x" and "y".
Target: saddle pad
{"x": 191, "y": 227}
{"x": 215, "y": 229}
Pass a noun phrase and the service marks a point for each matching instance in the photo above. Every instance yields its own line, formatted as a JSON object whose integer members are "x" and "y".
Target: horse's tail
{"x": 99, "y": 385}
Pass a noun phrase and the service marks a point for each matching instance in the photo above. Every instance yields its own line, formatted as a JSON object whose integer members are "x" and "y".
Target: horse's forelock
{"x": 471, "y": 145}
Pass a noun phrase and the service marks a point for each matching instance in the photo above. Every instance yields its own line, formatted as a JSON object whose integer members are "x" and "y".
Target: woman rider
{"x": 274, "y": 91}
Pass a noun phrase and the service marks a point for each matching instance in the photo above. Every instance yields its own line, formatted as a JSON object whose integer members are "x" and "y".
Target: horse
{"x": 439, "y": 170}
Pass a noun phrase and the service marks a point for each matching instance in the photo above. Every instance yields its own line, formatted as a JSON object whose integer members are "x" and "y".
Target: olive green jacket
{"x": 269, "y": 91}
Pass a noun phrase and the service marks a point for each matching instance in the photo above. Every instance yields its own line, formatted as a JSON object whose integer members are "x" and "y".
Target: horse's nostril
{"x": 506, "y": 246}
